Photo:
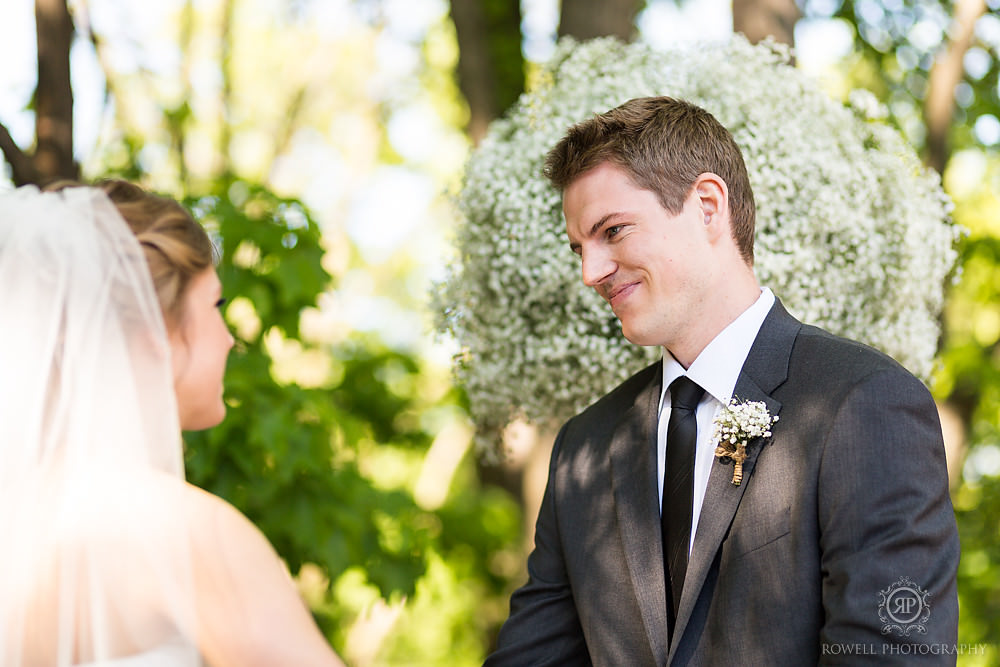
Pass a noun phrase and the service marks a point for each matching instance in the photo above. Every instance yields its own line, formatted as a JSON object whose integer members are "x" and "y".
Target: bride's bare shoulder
{"x": 205, "y": 506}
{"x": 250, "y": 610}
{"x": 213, "y": 520}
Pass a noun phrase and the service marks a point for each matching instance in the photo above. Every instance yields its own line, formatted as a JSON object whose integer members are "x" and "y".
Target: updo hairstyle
{"x": 176, "y": 247}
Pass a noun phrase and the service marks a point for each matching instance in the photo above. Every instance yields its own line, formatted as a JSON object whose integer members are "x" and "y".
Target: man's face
{"x": 644, "y": 261}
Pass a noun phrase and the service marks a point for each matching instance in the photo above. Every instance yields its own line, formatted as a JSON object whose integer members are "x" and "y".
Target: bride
{"x": 111, "y": 342}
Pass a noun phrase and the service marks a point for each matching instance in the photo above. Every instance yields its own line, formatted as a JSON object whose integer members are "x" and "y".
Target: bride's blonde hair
{"x": 176, "y": 247}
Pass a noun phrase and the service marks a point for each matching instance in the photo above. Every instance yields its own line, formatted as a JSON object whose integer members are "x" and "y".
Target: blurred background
{"x": 320, "y": 140}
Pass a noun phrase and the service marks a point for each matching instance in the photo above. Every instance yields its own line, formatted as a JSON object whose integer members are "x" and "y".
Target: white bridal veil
{"x": 95, "y": 562}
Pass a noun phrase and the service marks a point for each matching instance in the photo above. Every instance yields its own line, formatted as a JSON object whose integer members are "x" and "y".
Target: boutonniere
{"x": 736, "y": 425}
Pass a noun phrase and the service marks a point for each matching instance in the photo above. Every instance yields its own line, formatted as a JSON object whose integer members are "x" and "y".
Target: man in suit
{"x": 839, "y": 543}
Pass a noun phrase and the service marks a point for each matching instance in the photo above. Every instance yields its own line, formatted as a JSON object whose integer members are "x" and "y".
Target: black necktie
{"x": 678, "y": 488}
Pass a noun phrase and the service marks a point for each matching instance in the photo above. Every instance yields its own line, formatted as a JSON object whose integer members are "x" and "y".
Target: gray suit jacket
{"x": 848, "y": 497}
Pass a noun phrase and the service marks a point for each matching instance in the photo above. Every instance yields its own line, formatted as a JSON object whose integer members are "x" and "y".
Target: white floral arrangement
{"x": 853, "y": 233}
{"x": 735, "y": 426}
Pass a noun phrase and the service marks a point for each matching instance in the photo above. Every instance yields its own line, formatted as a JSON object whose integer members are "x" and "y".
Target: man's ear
{"x": 713, "y": 198}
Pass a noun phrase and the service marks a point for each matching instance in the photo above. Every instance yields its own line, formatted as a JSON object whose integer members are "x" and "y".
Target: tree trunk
{"x": 490, "y": 63}
{"x": 759, "y": 19}
{"x": 946, "y": 73}
{"x": 53, "y": 156}
{"x": 586, "y": 19}
{"x": 54, "y": 96}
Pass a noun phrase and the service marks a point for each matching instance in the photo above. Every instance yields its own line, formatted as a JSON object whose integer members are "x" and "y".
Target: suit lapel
{"x": 765, "y": 368}
{"x": 635, "y": 492}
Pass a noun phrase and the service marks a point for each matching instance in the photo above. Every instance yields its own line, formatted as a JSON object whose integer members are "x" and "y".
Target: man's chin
{"x": 638, "y": 337}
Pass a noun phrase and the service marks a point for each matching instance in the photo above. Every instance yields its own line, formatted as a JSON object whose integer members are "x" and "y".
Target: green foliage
{"x": 462, "y": 597}
{"x": 977, "y": 506}
{"x": 327, "y": 472}
{"x": 969, "y": 378}
{"x": 285, "y": 454}
{"x": 898, "y": 42}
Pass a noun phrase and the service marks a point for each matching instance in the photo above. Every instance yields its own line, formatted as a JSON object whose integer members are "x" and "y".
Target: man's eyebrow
{"x": 596, "y": 227}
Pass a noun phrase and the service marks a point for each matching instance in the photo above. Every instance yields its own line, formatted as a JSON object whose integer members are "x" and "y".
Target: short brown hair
{"x": 663, "y": 144}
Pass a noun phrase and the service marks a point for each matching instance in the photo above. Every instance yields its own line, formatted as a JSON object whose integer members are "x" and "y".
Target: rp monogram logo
{"x": 903, "y": 608}
{"x": 904, "y": 605}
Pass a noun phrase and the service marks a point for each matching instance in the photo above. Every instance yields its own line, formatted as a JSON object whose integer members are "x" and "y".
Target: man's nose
{"x": 598, "y": 265}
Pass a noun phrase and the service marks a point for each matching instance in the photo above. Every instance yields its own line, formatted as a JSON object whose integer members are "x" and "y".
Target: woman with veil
{"x": 111, "y": 342}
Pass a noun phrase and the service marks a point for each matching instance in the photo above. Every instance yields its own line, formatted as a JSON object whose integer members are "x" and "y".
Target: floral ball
{"x": 853, "y": 232}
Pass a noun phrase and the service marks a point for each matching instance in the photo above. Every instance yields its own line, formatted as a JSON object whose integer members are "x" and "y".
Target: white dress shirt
{"x": 716, "y": 370}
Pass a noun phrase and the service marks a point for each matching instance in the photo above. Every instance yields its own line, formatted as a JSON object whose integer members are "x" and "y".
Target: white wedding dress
{"x": 168, "y": 655}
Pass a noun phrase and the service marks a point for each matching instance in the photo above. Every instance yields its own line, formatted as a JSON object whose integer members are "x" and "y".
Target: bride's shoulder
{"x": 218, "y": 529}
{"x": 209, "y": 513}
{"x": 251, "y": 612}
{"x": 207, "y": 506}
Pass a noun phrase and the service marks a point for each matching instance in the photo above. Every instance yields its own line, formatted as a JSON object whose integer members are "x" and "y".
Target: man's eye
{"x": 613, "y": 230}
{"x": 220, "y": 303}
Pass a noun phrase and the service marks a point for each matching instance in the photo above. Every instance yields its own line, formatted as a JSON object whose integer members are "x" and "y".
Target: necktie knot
{"x": 685, "y": 394}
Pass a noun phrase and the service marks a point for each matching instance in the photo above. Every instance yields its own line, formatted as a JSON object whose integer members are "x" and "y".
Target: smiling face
{"x": 199, "y": 345}
{"x": 654, "y": 268}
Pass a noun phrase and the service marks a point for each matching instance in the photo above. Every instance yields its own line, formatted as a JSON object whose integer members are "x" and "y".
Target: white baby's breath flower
{"x": 736, "y": 425}
{"x": 853, "y": 233}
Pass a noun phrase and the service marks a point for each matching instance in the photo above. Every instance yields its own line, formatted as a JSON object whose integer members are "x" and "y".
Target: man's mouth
{"x": 619, "y": 292}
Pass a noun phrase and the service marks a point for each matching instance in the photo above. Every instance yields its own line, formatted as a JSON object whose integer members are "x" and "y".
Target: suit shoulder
{"x": 822, "y": 353}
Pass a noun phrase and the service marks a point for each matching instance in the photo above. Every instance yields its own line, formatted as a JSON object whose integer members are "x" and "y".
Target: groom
{"x": 838, "y": 545}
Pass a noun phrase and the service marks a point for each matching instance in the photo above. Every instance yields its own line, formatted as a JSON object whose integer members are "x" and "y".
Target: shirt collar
{"x": 718, "y": 366}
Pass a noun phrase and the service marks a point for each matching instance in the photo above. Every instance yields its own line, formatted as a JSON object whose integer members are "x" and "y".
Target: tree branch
{"x": 290, "y": 121}
{"x": 760, "y": 19}
{"x": 177, "y": 119}
{"x": 226, "y": 39}
{"x": 23, "y": 171}
{"x": 946, "y": 73}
